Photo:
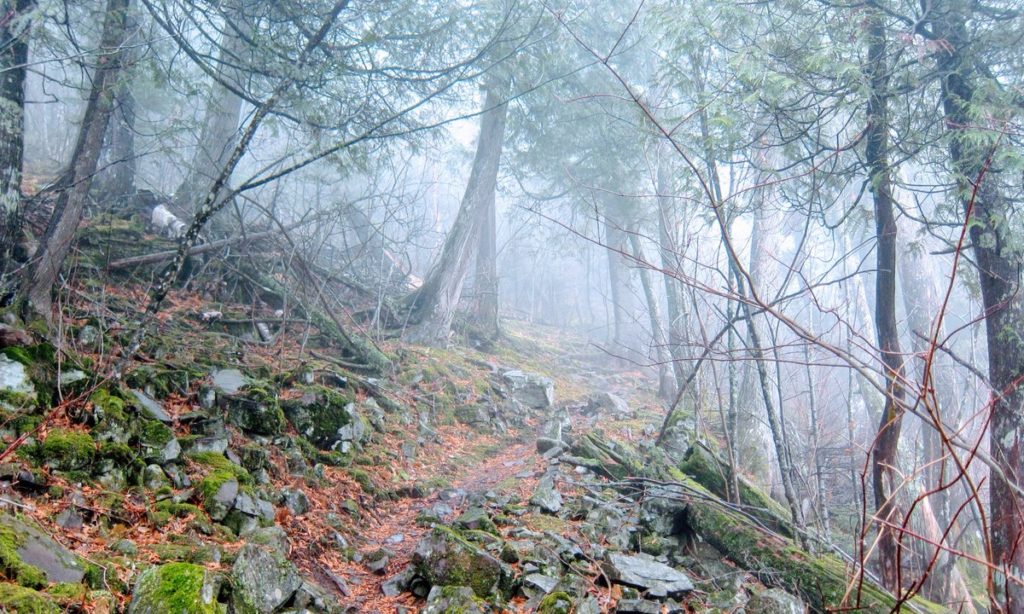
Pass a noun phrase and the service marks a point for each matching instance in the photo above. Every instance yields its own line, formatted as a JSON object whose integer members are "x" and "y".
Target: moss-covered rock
{"x": 31, "y": 558}
{"x": 454, "y": 600}
{"x": 444, "y": 558}
{"x": 325, "y": 417}
{"x": 254, "y": 409}
{"x": 262, "y": 580}
{"x": 11, "y": 565}
{"x": 555, "y": 603}
{"x": 176, "y": 588}
{"x": 67, "y": 450}
{"x": 14, "y": 598}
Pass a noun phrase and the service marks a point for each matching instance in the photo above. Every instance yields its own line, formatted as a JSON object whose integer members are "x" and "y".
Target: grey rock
{"x": 37, "y": 549}
{"x": 775, "y": 601}
{"x": 70, "y": 518}
{"x": 398, "y": 583}
{"x": 608, "y": 403}
{"x": 444, "y": 599}
{"x": 540, "y": 582}
{"x": 637, "y": 606}
{"x": 546, "y": 496}
{"x": 544, "y": 444}
{"x": 263, "y": 580}
{"x": 222, "y": 501}
{"x": 377, "y": 561}
{"x": 68, "y": 378}
{"x": 154, "y": 477}
{"x": 273, "y": 537}
{"x": 442, "y": 557}
{"x": 646, "y": 574}
{"x": 533, "y": 391}
{"x": 153, "y": 408}
{"x": 14, "y": 377}
{"x": 229, "y": 381}
{"x": 315, "y": 600}
{"x": 296, "y": 501}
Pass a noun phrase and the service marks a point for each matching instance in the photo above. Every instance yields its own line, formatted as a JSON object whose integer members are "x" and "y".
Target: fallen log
{"x": 157, "y": 257}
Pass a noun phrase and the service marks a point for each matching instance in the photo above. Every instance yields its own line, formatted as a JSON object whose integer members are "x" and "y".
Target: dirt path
{"x": 392, "y": 525}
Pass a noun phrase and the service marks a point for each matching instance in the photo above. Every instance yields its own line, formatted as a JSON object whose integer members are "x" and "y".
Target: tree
{"x": 41, "y": 278}
{"x": 15, "y": 21}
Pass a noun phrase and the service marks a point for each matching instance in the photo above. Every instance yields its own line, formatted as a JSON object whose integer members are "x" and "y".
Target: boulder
{"x": 228, "y": 381}
{"x": 644, "y": 573}
{"x": 775, "y": 601}
{"x": 254, "y": 409}
{"x": 14, "y": 377}
{"x": 533, "y": 391}
{"x": 151, "y": 407}
{"x": 443, "y": 557}
{"x": 606, "y": 402}
{"x": 447, "y": 599}
{"x": 176, "y": 588}
{"x": 33, "y": 558}
{"x": 262, "y": 580}
{"x": 327, "y": 418}
{"x": 546, "y": 496}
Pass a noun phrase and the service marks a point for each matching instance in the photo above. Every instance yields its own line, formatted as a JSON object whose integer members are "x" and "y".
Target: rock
{"x": 398, "y": 583}
{"x": 540, "y": 582}
{"x": 263, "y": 580}
{"x": 220, "y": 503}
{"x": 273, "y": 537}
{"x": 312, "y": 599}
{"x": 14, "y": 377}
{"x": 646, "y": 574}
{"x": 476, "y": 519}
{"x": 254, "y": 409}
{"x": 775, "y": 601}
{"x": 39, "y": 555}
{"x": 151, "y": 407}
{"x": 448, "y": 599}
{"x": 176, "y": 588}
{"x": 533, "y": 391}
{"x": 608, "y": 403}
{"x": 158, "y": 442}
{"x": 70, "y": 518}
{"x": 89, "y": 336}
{"x": 11, "y": 336}
{"x": 546, "y": 496}
{"x": 295, "y": 500}
{"x": 19, "y": 599}
{"x": 377, "y": 561}
{"x": 555, "y": 603}
{"x": 228, "y": 381}
{"x": 544, "y": 444}
{"x": 637, "y": 606}
{"x": 327, "y": 418}
{"x": 154, "y": 477}
{"x": 443, "y": 557}
{"x": 68, "y": 378}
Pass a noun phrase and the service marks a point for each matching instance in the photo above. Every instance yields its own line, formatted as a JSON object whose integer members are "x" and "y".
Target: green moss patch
{"x": 11, "y": 565}
{"x": 67, "y": 450}
{"x": 175, "y": 588}
{"x": 14, "y": 598}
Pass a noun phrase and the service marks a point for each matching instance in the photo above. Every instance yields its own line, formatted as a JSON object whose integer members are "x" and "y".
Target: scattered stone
{"x": 546, "y": 496}
{"x": 176, "y": 588}
{"x": 154, "y": 477}
{"x": 222, "y": 501}
{"x": 443, "y": 557}
{"x": 775, "y": 601}
{"x": 637, "y": 606}
{"x": 229, "y": 381}
{"x": 70, "y": 518}
{"x": 153, "y": 408}
{"x": 395, "y": 539}
{"x": 313, "y": 599}
{"x": 646, "y": 574}
{"x": 273, "y": 537}
{"x": 608, "y": 403}
{"x": 446, "y": 599}
{"x": 540, "y": 582}
{"x": 38, "y": 550}
{"x": 398, "y": 583}
{"x": 296, "y": 501}
{"x": 68, "y": 378}
{"x": 377, "y": 561}
{"x": 476, "y": 519}
{"x": 263, "y": 580}
{"x": 533, "y": 391}
{"x": 14, "y": 377}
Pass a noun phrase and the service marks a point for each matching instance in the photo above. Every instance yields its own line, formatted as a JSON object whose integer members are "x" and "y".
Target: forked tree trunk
{"x": 885, "y": 476}
{"x": 998, "y": 256}
{"x": 14, "y": 27}
{"x": 38, "y": 284}
{"x": 433, "y": 305}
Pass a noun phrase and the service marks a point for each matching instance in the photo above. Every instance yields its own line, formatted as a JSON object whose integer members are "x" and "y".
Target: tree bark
{"x": 14, "y": 27}
{"x": 433, "y": 305}
{"x": 486, "y": 280}
{"x": 666, "y": 380}
{"x": 668, "y": 219}
{"x": 41, "y": 278}
{"x": 999, "y": 262}
{"x": 884, "y": 456}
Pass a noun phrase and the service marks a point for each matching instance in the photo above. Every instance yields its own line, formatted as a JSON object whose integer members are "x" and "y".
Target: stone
{"x": 151, "y": 407}
{"x": 228, "y": 381}
{"x": 775, "y": 601}
{"x": 533, "y": 391}
{"x": 637, "y": 606}
{"x": 447, "y": 599}
{"x": 263, "y": 580}
{"x": 377, "y": 561}
{"x": 14, "y": 377}
{"x": 544, "y": 444}
{"x": 254, "y": 410}
{"x": 37, "y": 549}
{"x": 540, "y": 582}
{"x": 608, "y": 403}
{"x": 220, "y": 503}
{"x": 295, "y": 500}
{"x": 443, "y": 557}
{"x": 68, "y": 378}
{"x": 644, "y": 573}
{"x": 154, "y": 477}
{"x": 312, "y": 598}
{"x": 176, "y": 588}
{"x": 327, "y": 418}
{"x": 476, "y": 519}
{"x": 398, "y": 583}
{"x": 546, "y": 496}
{"x": 70, "y": 518}
{"x": 273, "y": 537}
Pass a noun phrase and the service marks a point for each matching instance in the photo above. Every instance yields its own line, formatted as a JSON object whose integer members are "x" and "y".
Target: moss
{"x": 67, "y": 450}
{"x": 363, "y": 479}
{"x": 17, "y": 400}
{"x": 23, "y": 600}
{"x": 11, "y": 565}
{"x": 155, "y": 433}
{"x": 175, "y": 588}
{"x": 161, "y": 381}
{"x": 460, "y": 563}
{"x": 111, "y": 405}
{"x": 66, "y": 592}
{"x": 219, "y": 462}
{"x": 555, "y": 603}
{"x": 177, "y": 510}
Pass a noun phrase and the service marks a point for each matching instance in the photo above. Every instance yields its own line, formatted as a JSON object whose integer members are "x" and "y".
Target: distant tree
{"x": 15, "y": 22}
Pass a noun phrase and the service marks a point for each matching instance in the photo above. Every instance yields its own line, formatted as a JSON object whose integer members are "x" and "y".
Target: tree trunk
{"x": 486, "y": 281}
{"x": 433, "y": 305}
{"x": 669, "y": 248}
{"x": 14, "y": 27}
{"x": 41, "y": 278}
{"x": 117, "y": 179}
{"x": 223, "y": 112}
{"x": 666, "y": 381}
{"x": 884, "y": 456}
{"x": 999, "y": 264}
